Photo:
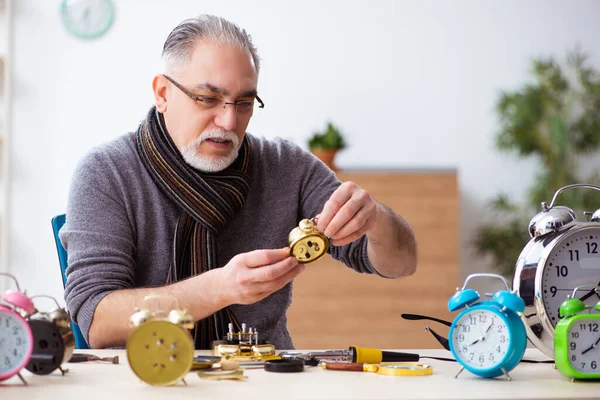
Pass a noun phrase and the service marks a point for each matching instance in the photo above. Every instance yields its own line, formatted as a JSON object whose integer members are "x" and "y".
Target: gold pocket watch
{"x": 306, "y": 242}
{"x": 160, "y": 350}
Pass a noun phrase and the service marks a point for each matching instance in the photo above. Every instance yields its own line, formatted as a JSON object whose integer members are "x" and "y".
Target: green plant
{"x": 557, "y": 120}
{"x": 330, "y": 139}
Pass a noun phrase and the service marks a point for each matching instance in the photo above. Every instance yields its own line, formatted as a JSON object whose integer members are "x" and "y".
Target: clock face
{"x": 583, "y": 348}
{"x": 15, "y": 343}
{"x": 574, "y": 261}
{"x": 480, "y": 339}
{"x": 87, "y": 18}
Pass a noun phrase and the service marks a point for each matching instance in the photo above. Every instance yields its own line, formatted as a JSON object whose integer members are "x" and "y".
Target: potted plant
{"x": 555, "y": 118}
{"x": 325, "y": 145}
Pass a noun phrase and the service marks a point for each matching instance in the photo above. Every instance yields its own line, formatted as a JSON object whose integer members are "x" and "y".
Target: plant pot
{"x": 327, "y": 156}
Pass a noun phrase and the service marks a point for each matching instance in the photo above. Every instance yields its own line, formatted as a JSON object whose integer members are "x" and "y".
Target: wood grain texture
{"x": 335, "y": 307}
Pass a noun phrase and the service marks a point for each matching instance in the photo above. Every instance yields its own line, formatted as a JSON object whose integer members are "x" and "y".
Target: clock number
{"x": 592, "y": 248}
{"x": 7, "y": 323}
{"x": 574, "y": 335}
{"x": 471, "y": 356}
{"x": 572, "y": 345}
{"x": 491, "y": 357}
{"x": 553, "y": 290}
{"x": 464, "y": 348}
{"x": 19, "y": 341}
{"x": 481, "y": 359}
{"x": 561, "y": 270}
{"x": 7, "y": 362}
{"x": 574, "y": 254}
{"x": 466, "y": 328}
{"x": 499, "y": 328}
{"x": 498, "y": 349}
{"x": 14, "y": 352}
{"x": 482, "y": 318}
{"x": 15, "y": 330}
{"x": 593, "y": 327}
{"x": 594, "y": 365}
{"x": 573, "y": 357}
{"x": 472, "y": 320}
{"x": 461, "y": 337}
{"x": 502, "y": 339}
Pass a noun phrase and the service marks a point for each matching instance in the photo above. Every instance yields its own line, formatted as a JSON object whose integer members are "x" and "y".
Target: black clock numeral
{"x": 561, "y": 270}
{"x": 593, "y": 365}
{"x": 553, "y": 290}
{"x": 482, "y": 318}
{"x": 574, "y": 254}
{"x": 15, "y": 352}
{"x": 593, "y": 327}
{"x": 461, "y": 337}
{"x": 471, "y": 355}
{"x": 466, "y": 328}
{"x": 498, "y": 349}
{"x": 574, "y": 335}
{"x": 472, "y": 320}
{"x": 465, "y": 348}
{"x": 15, "y": 330}
{"x": 19, "y": 341}
{"x": 572, "y": 345}
{"x": 592, "y": 248}
{"x": 7, "y": 362}
{"x": 481, "y": 359}
{"x": 502, "y": 339}
{"x": 573, "y": 357}
{"x": 499, "y": 328}
{"x": 582, "y": 365}
{"x": 491, "y": 357}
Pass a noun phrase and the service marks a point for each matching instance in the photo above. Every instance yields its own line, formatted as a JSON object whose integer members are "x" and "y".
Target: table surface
{"x": 99, "y": 380}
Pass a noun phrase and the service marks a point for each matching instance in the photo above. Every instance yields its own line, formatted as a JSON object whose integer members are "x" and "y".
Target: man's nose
{"x": 227, "y": 117}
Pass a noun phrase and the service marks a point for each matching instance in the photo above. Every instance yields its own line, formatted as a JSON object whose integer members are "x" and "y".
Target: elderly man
{"x": 194, "y": 207}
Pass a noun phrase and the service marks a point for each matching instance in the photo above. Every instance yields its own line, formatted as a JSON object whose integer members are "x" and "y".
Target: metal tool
{"x": 352, "y": 354}
{"x": 81, "y": 357}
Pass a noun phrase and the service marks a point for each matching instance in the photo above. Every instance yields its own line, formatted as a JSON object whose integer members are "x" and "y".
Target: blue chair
{"x": 57, "y": 223}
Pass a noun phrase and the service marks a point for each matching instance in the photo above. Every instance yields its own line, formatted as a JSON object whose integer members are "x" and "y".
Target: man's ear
{"x": 159, "y": 87}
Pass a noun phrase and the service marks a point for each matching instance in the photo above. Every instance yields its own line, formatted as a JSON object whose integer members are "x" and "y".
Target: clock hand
{"x": 482, "y": 337}
{"x": 591, "y": 347}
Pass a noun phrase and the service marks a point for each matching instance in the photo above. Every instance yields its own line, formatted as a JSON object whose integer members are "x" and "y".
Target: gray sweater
{"x": 120, "y": 226}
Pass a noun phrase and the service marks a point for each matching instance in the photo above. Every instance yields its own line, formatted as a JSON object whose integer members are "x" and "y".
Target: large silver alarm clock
{"x": 563, "y": 253}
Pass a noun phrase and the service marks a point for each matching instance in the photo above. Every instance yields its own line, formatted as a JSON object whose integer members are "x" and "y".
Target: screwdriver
{"x": 356, "y": 355}
{"x": 81, "y": 357}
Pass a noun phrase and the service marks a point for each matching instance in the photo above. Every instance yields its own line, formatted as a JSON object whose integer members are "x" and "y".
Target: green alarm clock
{"x": 87, "y": 19}
{"x": 577, "y": 338}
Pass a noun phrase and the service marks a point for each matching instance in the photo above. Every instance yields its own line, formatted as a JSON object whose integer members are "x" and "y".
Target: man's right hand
{"x": 250, "y": 277}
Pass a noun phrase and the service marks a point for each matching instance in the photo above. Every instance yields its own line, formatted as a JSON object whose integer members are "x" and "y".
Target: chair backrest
{"x": 57, "y": 223}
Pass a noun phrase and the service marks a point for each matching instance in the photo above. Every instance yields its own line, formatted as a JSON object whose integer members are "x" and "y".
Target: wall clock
{"x": 87, "y": 19}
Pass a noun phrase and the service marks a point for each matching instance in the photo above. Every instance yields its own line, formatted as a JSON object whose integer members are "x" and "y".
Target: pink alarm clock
{"x": 16, "y": 339}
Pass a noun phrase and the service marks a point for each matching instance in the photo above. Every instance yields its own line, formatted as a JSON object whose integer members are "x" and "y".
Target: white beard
{"x": 211, "y": 164}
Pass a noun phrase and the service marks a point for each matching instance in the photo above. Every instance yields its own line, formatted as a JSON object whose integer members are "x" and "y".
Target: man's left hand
{"x": 349, "y": 213}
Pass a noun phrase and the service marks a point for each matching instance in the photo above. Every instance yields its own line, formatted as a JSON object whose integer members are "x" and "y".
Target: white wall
{"x": 411, "y": 83}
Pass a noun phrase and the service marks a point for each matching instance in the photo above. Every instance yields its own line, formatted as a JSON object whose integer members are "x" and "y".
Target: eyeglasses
{"x": 211, "y": 102}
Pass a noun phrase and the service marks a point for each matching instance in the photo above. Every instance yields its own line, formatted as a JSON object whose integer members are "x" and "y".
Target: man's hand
{"x": 349, "y": 213}
{"x": 250, "y": 277}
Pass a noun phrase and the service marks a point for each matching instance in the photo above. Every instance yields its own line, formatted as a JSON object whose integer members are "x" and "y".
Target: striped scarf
{"x": 206, "y": 200}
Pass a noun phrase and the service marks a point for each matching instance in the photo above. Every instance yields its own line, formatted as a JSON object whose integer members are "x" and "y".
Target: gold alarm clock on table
{"x": 563, "y": 253}
{"x": 160, "y": 350}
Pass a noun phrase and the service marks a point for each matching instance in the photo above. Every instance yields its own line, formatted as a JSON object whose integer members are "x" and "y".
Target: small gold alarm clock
{"x": 160, "y": 350}
{"x": 306, "y": 242}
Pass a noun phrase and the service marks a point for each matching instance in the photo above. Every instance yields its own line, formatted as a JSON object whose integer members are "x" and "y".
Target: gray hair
{"x": 180, "y": 43}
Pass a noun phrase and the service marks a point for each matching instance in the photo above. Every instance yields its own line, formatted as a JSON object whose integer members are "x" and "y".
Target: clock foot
{"x": 184, "y": 382}
{"x": 459, "y": 372}
{"x": 22, "y": 379}
{"x": 506, "y": 373}
{"x": 63, "y": 371}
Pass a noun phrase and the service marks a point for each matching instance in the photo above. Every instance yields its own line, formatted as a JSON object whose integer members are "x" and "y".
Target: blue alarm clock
{"x": 488, "y": 337}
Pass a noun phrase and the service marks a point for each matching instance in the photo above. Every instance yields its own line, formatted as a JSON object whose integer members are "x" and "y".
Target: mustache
{"x": 218, "y": 134}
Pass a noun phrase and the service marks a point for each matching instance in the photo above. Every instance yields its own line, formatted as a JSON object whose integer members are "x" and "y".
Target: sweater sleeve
{"x": 318, "y": 183}
{"x": 98, "y": 237}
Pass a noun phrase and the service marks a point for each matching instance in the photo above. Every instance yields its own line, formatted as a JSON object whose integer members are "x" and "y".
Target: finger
{"x": 339, "y": 197}
{"x": 343, "y": 240}
{"x": 355, "y": 224}
{"x": 259, "y": 258}
{"x": 345, "y": 215}
{"x": 272, "y": 272}
{"x": 280, "y": 282}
